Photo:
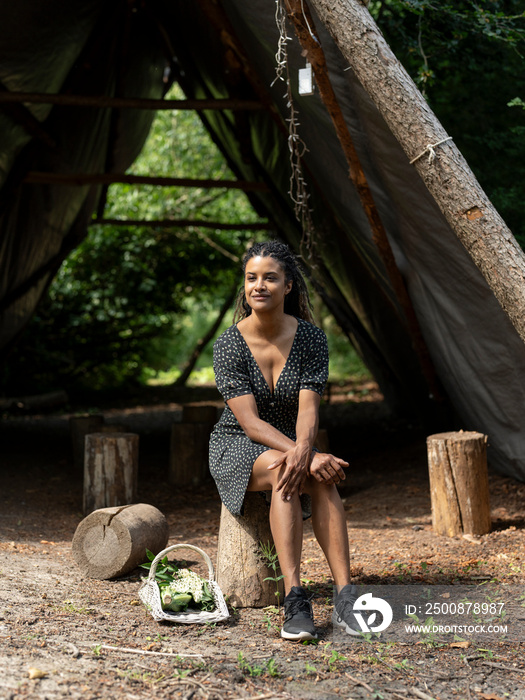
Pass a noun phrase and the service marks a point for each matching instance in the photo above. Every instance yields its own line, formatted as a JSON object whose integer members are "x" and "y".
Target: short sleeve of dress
{"x": 314, "y": 370}
{"x": 230, "y": 367}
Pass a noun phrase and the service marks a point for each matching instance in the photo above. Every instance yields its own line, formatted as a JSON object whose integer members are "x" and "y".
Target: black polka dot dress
{"x": 232, "y": 453}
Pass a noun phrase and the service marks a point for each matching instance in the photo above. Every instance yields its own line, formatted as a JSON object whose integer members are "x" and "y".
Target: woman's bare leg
{"x": 286, "y": 519}
{"x": 329, "y": 524}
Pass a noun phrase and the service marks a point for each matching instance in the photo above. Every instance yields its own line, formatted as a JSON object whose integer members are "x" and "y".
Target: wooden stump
{"x": 459, "y": 486}
{"x": 111, "y": 428}
{"x": 190, "y": 444}
{"x": 241, "y": 568}
{"x": 79, "y": 427}
{"x": 110, "y": 470}
{"x": 111, "y": 542}
{"x": 199, "y": 413}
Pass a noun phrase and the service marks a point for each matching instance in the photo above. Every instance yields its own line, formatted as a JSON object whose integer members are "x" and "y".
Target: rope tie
{"x": 431, "y": 152}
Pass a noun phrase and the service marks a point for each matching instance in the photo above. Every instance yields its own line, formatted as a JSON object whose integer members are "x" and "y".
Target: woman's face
{"x": 265, "y": 284}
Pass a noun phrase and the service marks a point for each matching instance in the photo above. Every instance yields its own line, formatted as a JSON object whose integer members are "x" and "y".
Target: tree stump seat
{"x": 241, "y": 565}
{"x": 243, "y": 572}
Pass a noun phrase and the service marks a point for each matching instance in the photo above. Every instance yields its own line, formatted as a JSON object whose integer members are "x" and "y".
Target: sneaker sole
{"x": 342, "y": 625}
{"x": 298, "y": 636}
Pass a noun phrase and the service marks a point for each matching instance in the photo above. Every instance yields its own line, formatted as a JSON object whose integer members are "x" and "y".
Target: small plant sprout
{"x": 272, "y": 561}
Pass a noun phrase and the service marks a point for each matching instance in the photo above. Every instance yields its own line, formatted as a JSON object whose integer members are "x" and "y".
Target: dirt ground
{"x": 65, "y": 636}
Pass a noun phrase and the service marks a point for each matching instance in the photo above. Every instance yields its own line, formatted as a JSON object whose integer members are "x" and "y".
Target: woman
{"x": 271, "y": 368}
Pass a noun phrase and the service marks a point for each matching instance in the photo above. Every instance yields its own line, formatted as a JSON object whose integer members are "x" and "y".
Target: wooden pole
{"x": 110, "y": 470}
{"x": 184, "y": 223}
{"x": 111, "y": 542}
{"x": 80, "y": 179}
{"x": 459, "y": 487}
{"x": 466, "y": 207}
{"x": 105, "y": 101}
{"x": 241, "y": 567}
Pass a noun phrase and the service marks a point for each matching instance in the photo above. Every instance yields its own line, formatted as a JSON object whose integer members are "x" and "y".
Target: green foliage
{"x": 121, "y": 299}
{"x": 467, "y": 57}
{"x": 272, "y": 561}
{"x": 255, "y": 670}
{"x": 166, "y": 570}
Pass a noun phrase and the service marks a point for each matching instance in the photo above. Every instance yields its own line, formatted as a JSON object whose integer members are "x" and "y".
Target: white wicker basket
{"x": 149, "y": 593}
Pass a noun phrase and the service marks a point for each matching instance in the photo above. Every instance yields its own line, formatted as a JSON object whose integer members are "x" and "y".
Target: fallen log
{"x": 53, "y": 399}
{"x": 111, "y": 542}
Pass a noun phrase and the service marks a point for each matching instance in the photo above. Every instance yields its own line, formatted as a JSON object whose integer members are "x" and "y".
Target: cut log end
{"x": 111, "y": 542}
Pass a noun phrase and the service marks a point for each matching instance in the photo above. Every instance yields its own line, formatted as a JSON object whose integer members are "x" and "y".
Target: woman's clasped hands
{"x": 299, "y": 462}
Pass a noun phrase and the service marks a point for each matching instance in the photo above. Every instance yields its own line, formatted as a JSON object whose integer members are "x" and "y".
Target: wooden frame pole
{"x": 79, "y": 179}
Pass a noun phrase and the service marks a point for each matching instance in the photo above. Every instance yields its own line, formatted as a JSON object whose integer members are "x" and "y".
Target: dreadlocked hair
{"x": 297, "y": 302}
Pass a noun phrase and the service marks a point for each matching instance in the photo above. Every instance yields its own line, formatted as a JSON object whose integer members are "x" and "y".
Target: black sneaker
{"x": 343, "y": 615}
{"x": 298, "y": 616}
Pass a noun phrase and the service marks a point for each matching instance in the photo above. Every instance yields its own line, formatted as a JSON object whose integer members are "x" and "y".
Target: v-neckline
{"x": 272, "y": 393}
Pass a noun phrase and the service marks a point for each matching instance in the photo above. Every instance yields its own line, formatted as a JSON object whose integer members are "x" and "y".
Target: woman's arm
{"x": 296, "y": 455}
{"x": 296, "y": 460}
{"x": 300, "y": 462}
{"x": 244, "y": 408}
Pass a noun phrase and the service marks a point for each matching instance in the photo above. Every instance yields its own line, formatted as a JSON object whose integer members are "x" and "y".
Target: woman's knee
{"x": 320, "y": 490}
{"x": 262, "y": 478}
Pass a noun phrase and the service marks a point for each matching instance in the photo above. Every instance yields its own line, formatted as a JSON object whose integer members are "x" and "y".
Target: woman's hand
{"x": 294, "y": 464}
{"x": 327, "y": 468}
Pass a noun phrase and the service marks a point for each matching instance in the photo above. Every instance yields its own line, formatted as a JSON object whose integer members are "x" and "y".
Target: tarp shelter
{"x": 221, "y": 50}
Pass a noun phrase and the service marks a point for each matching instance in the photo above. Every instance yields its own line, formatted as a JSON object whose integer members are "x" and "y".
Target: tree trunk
{"x": 241, "y": 566}
{"x": 110, "y": 470}
{"x": 111, "y": 542}
{"x": 448, "y": 177}
{"x": 459, "y": 486}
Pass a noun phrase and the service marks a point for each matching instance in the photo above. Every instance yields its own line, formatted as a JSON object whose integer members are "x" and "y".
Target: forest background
{"x": 130, "y": 304}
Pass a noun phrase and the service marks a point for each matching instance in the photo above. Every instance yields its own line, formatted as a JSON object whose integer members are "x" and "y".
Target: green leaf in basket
{"x": 165, "y": 570}
{"x": 207, "y": 600}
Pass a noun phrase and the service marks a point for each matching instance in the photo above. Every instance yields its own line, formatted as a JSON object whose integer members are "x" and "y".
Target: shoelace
{"x": 299, "y": 605}
{"x": 342, "y": 604}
